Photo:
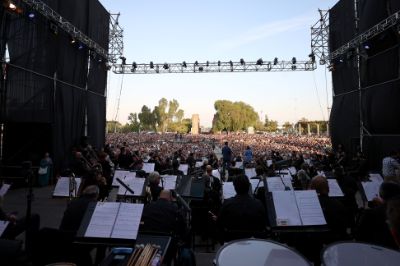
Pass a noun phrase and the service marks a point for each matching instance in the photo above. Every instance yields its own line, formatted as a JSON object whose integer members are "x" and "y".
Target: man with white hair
{"x": 154, "y": 184}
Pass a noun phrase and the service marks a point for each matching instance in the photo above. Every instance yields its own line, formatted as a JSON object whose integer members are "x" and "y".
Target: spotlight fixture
{"x": 80, "y": 46}
{"x": 242, "y": 62}
{"x": 260, "y": 62}
{"x": 73, "y": 40}
{"x": 123, "y": 59}
{"x": 231, "y": 63}
{"x": 207, "y": 64}
{"x": 54, "y": 28}
{"x": 219, "y": 63}
{"x": 322, "y": 61}
{"x": 196, "y": 63}
{"x": 366, "y": 46}
{"x": 31, "y": 15}
{"x": 151, "y": 64}
{"x": 294, "y": 67}
{"x": 134, "y": 65}
{"x": 165, "y": 66}
{"x": 275, "y": 61}
{"x": 184, "y": 64}
{"x": 312, "y": 57}
{"x": 201, "y": 69}
{"x": 294, "y": 60}
{"x": 12, "y": 6}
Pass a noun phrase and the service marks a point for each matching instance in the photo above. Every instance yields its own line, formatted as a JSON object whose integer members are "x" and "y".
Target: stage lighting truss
{"x": 320, "y": 38}
{"x": 62, "y": 23}
{"x": 116, "y": 40}
{"x": 214, "y": 67}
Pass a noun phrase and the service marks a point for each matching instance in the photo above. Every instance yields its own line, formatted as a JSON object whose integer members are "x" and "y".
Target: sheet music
{"x": 228, "y": 190}
{"x": 216, "y": 173}
{"x": 371, "y": 188}
{"x": 62, "y": 187}
{"x": 278, "y": 183}
{"x": 269, "y": 163}
{"x": 4, "y": 189}
{"x": 103, "y": 219}
{"x": 292, "y": 170}
{"x": 307, "y": 161}
{"x": 127, "y": 222}
{"x": 250, "y": 172}
{"x": 169, "y": 181}
{"x": 254, "y": 183}
{"x": 3, "y": 226}
{"x": 309, "y": 208}
{"x": 286, "y": 210}
{"x": 136, "y": 184}
{"x": 238, "y": 165}
{"x": 199, "y": 164}
{"x": 321, "y": 173}
{"x": 148, "y": 167}
{"x": 121, "y": 174}
{"x": 184, "y": 168}
{"x": 334, "y": 188}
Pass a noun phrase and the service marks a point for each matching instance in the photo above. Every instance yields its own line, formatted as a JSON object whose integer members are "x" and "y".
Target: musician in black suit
{"x": 212, "y": 190}
{"x": 242, "y": 213}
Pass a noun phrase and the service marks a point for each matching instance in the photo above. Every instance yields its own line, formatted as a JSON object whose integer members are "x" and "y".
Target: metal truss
{"x": 75, "y": 33}
{"x": 116, "y": 40}
{"x": 384, "y": 25}
{"x": 215, "y": 67}
{"x": 320, "y": 38}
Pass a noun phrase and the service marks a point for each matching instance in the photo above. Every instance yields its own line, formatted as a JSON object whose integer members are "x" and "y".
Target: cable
{"x": 118, "y": 101}
{"x": 326, "y": 91}
{"x": 319, "y": 100}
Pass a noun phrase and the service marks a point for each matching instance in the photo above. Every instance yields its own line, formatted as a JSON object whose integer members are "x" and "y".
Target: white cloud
{"x": 267, "y": 30}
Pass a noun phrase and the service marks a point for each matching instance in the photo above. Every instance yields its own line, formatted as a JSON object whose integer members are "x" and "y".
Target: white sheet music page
{"x": 216, "y": 173}
{"x": 228, "y": 190}
{"x": 134, "y": 183}
{"x": 334, "y": 188}
{"x": 371, "y": 188}
{"x": 148, "y": 167}
{"x": 199, "y": 164}
{"x": 103, "y": 219}
{"x": 286, "y": 210}
{"x": 292, "y": 170}
{"x": 62, "y": 187}
{"x": 275, "y": 184}
{"x": 269, "y": 163}
{"x": 169, "y": 181}
{"x": 3, "y": 226}
{"x": 309, "y": 208}
{"x": 128, "y": 220}
{"x": 4, "y": 188}
{"x": 184, "y": 168}
{"x": 250, "y": 172}
{"x": 121, "y": 174}
{"x": 254, "y": 183}
{"x": 238, "y": 165}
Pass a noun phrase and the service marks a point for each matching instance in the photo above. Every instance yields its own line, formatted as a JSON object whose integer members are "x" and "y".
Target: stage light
{"x": 31, "y": 15}
{"x": 134, "y": 65}
{"x": 165, "y": 66}
{"x": 80, "y": 46}
{"x": 12, "y": 6}
{"x": 73, "y": 40}
{"x": 123, "y": 59}
{"x": 231, "y": 63}
{"x": 157, "y": 69}
{"x": 322, "y": 62}
{"x": 260, "y": 62}
{"x": 207, "y": 64}
{"x": 196, "y": 63}
{"x": 184, "y": 64}
{"x": 242, "y": 62}
{"x": 275, "y": 61}
{"x": 219, "y": 63}
{"x": 312, "y": 57}
{"x": 294, "y": 60}
{"x": 294, "y": 67}
{"x": 151, "y": 64}
{"x": 201, "y": 69}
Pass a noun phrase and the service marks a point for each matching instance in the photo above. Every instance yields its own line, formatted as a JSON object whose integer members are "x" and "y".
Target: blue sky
{"x": 176, "y": 30}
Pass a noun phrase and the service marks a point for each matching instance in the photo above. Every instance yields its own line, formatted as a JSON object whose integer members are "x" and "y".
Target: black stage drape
{"x": 344, "y": 119}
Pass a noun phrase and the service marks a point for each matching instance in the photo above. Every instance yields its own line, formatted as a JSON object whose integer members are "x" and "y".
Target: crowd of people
{"x": 212, "y": 160}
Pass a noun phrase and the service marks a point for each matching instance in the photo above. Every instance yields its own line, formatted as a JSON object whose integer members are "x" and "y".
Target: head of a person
{"x": 338, "y": 172}
{"x": 175, "y": 164}
{"x": 320, "y": 184}
{"x": 389, "y": 190}
{"x": 226, "y": 143}
{"x": 165, "y": 194}
{"x": 259, "y": 170}
{"x": 241, "y": 184}
{"x": 305, "y": 166}
{"x": 46, "y": 155}
{"x": 154, "y": 178}
{"x": 248, "y": 148}
{"x": 209, "y": 169}
{"x": 91, "y": 192}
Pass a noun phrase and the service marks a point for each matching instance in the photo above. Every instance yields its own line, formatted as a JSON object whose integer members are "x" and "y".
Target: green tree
{"x": 147, "y": 118}
{"x": 233, "y": 116}
{"x": 167, "y": 115}
{"x": 270, "y": 125}
{"x": 134, "y": 123}
{"x": 287, "y": 126}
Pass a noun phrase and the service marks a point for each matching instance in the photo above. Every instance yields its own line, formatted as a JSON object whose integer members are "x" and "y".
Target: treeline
{"x": 165, "y": 117}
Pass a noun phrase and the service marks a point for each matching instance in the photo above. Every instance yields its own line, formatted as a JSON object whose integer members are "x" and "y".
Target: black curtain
{"x": 344, "y": 119}
{"x": 70, "y": 101}
{"x": 380, "y": 82}
{"x": 99, "y": 20}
